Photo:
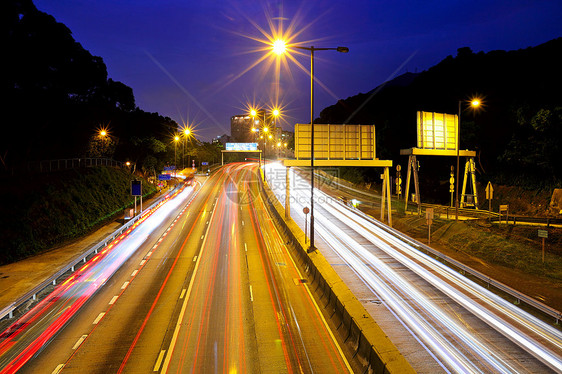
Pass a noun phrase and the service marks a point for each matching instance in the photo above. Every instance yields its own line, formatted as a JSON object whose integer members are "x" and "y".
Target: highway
{"x": 203, "y": 284}
{"x": 440, "y": 320}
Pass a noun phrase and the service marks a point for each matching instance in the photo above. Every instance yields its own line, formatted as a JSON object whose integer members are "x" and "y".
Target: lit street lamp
{"x": 474, "y": 104}
{"x": 279, "y": 49}
{"x": 186, "y": 133}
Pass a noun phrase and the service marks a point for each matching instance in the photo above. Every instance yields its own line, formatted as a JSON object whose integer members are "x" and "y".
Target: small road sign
{"x": 543, "y": 234}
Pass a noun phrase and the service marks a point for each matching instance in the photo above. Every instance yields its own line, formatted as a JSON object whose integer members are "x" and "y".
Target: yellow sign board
{"x": 437, "y": 131}
{"x": 336, "y": 142}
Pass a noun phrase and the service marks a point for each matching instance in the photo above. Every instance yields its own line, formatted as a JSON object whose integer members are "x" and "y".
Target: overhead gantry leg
{"x": 288, "y": 194}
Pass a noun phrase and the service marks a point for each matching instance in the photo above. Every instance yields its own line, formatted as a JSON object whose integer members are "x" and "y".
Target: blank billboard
{"x": 437, "y": 131}
{"x": 335, "y": 142}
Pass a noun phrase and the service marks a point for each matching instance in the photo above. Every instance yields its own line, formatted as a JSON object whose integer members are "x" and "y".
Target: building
{"x": 221, "y": 139}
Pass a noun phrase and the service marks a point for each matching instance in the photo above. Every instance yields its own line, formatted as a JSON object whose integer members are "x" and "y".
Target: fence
{"x": 46, "y": 166}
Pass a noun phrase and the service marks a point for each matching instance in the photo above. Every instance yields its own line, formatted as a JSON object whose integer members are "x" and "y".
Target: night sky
{"x": 192, "y": 60}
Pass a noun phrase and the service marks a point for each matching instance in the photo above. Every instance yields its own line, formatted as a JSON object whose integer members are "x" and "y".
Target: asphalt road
{"x": 440, "y": 320}
{"x": 211, "y": 288}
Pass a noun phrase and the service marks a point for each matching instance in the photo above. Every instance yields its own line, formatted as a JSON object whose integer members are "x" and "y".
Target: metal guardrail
{"x": 44, "y": 166}
{"x": 8, "y": 311}
{"x": 556, "y": 314}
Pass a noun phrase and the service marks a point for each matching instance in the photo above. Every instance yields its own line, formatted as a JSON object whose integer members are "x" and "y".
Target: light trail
{"x": 456, "y": 344}
{"x": 30, "y": 333}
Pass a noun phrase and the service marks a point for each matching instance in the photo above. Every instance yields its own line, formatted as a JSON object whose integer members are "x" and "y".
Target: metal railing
{"x": 45, "y": 166}
{"x": 556, "y": 314}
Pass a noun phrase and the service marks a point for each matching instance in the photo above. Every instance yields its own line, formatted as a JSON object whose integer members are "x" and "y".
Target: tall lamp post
{"x": 176, "y": 139}
{"x": 186, "y": 133}
{"x": 312, "y": 49}
{"x": 474, "y": 104}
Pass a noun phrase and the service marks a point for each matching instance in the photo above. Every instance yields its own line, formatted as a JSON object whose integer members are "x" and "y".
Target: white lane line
{"x": 251, "y": 294}
{"x": 79, "y": 342}
{"x": 207, "y": 223}
{"x": 242, "y": 222}
{"x": 149, "y": 254}
{"x": 184, "y": 305}
{"x": 159, "y": 360}
{"x": 99, "y": 317}
{"x": 182, "y": 293}
{"x": 134, "y": 273}
{"x": 245, "y": 247}
{"x": 142, "y": 262}
{"x": 58, "y": 369}
{"x": 202, "y": 236}
{"x": 194, "y": 258}
{"x": 125, "y": 285}
{"x": 113, "y": 300}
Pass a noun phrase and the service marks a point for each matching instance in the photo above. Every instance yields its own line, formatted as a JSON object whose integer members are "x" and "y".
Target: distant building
{"x": 221, "y": 139}
{"x": 241, "y": 126}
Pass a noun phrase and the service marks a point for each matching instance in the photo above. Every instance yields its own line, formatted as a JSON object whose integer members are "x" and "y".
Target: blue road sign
{"x": 136, "y": 188}
{"x": 164, "y": 177}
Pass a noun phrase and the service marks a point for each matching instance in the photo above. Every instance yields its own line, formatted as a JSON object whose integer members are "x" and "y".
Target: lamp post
{"x": 265, "y": 131}
{"x": 186, "y": 133}
{"x": 176, "y": 139}
{"x": 474, "y": 103}
{"x": 312, "y": 49}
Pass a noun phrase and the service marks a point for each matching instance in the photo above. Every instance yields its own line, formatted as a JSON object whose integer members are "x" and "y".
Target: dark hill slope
{"x": 40, "y": 211}
{"x": 518, "y": 132}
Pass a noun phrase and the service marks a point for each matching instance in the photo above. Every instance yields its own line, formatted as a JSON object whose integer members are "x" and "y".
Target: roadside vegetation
{"x": 40, "y": 211}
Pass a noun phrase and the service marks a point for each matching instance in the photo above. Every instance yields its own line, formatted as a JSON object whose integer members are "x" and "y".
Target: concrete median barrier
{"x": 360, "y": 333}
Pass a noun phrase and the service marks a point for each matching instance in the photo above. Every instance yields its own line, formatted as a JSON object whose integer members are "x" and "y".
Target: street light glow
{"x": 275, "y": 112}
{"x": 176, "y": 138}
{"x": 279, "y": 46}
{"x": 103, "y": 133}
{"x": 475, "y": 102}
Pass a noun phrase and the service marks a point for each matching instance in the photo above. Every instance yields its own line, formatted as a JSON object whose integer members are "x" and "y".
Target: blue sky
{"x": 189, "y": 60}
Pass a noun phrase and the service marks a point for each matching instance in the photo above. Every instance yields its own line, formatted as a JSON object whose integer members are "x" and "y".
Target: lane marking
{"x": 142, "y": 262}
{"x": 99, "y": 317}
{"x": 149, "y": 254}
{"x": 194, "y": 258}
{"x": 182, "y": 293}
{"x": 113, "y": 300}
{"x": 134, "y": 273}
{"x": 184, "y": 305}
{"x": 245, "y": 247}
{"x": 251, "y": 294}
{"x": 242, "y": 222}
{"x": 79, "y": 342}
{"x": 159, "y": 360}
{"x": 125, "y": 285}
{"x": 202, "y": 236}
{"x": 58, "y": 369}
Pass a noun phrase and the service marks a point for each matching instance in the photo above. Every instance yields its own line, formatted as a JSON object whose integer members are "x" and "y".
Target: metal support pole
{"x": 457, "y": 180}
{"x": 311, "y": 248}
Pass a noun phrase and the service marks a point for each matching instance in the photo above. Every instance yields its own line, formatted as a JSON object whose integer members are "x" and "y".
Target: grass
{"x": 43, "y": 210}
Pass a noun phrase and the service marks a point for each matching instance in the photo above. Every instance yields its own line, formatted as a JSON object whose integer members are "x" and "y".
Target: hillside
{"x": 43, "y": 210}
{"x": 517, "y": 134}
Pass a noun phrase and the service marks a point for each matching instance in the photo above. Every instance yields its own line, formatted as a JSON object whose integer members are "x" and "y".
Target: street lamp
{"x": 474, "y": 103}
{"x": 186, "y": 133}
{"x": 278, "y": 48}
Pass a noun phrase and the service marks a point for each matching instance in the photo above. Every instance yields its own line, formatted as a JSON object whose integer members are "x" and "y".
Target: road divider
{"x": 367, "y": 342}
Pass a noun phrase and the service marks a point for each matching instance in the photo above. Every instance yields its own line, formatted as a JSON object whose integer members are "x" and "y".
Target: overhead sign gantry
{"x": 437, "y": 135}
{"x": 339, "y": 145}
{"x": 240, "y": 147}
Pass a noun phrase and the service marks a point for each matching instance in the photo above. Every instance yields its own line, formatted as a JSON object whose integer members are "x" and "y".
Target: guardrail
{"x": 72, "y": 265}
{"x": 519, "y": 297}
{"x": 71, "y": 163}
